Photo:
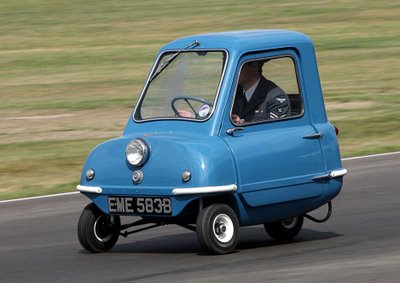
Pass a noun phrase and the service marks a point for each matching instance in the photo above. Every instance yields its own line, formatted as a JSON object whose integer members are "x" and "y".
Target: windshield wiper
{"x": 172, "y": 58}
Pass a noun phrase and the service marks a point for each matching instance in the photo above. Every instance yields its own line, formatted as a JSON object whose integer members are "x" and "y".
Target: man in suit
{"x": 258, "y": 99}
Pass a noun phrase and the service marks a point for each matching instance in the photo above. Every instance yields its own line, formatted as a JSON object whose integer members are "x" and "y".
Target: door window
{"x": 267, "y": 90}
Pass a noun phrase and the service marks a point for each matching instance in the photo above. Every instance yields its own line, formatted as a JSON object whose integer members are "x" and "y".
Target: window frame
{"x": 142, "y": 95}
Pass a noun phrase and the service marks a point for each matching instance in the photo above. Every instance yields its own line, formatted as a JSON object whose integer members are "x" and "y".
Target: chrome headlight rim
{"x": 137, "y": 152}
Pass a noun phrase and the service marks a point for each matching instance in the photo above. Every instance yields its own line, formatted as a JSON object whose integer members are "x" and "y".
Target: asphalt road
{"x": 360, "y": 243}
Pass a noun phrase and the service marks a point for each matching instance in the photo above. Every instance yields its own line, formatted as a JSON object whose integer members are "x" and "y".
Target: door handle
{"x": 313, "y": 136}
{"x": 232, "y": 130}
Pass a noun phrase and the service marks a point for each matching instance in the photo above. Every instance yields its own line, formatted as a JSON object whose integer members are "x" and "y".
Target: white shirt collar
{"x": 249, "y": 93}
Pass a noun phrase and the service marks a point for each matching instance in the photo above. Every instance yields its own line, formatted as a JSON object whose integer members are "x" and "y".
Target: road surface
{"x": 360, "y": 243}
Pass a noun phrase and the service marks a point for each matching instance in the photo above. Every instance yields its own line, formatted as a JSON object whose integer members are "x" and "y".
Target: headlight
{"x": 137, "y": 152}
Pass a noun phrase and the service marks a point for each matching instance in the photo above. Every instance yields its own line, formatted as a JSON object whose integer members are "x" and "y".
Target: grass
{"x": 82, "y": 64}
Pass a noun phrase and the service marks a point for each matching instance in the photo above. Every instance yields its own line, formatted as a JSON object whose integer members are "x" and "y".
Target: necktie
{"x": 244, "y": 100}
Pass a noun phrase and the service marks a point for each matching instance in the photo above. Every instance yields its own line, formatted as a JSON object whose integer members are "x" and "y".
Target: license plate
{"x": 139, "y": 205}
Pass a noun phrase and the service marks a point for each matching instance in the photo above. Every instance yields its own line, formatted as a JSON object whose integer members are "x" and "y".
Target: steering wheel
{"x": 187, "y": 99}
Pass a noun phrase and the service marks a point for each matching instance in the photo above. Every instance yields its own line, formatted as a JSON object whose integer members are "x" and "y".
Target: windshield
{"x": 185, "y": 89}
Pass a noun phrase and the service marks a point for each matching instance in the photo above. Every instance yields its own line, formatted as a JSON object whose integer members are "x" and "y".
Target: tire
{"x": 217, "y": 229}
{"x": 286, "y": 229}
{"x": 96, "y": 232}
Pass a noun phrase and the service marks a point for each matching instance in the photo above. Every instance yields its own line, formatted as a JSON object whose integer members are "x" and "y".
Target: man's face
{"x": 248, "y": 73}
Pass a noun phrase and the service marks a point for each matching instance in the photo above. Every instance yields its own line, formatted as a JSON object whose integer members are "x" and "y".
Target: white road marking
{"x": 38, "y": 197}
{"x": 370, "y": 156}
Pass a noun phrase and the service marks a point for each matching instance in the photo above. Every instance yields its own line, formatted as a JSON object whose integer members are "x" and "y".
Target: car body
{"x": 204, "y": 171}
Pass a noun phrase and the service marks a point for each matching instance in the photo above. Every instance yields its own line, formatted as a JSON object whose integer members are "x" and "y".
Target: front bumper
{"x": 175, "y": 191}
{"x": 180, "y": 197}
{"x": 87, "y": 189}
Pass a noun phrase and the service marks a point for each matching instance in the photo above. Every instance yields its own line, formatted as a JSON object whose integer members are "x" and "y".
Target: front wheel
{"x": 285, "y": 229}
{"x": 217, "y": 229}
{"x": 97, "y": 232}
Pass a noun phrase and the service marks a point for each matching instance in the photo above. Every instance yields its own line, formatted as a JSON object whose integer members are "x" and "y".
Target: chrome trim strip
{"x": 86, "y": 189}
{"x": 313, "y": 136}
{"x": 204, "y": 190}
{"x": 338, "y": 173}
{"x": 332, "y": 174}
{"x": 321, "y": 177}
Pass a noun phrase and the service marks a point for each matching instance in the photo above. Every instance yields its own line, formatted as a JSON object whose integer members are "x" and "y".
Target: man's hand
{"x": 185, "y": 114}
{"x": 236, "y": 119}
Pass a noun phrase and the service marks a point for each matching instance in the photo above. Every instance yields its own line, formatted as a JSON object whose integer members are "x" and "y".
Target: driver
{"x": 257, "y": 98}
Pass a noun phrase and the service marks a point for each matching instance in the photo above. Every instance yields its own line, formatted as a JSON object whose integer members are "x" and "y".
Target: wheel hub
{"x": 220, "y": 228}
{"x": 102, "y": 229}
{"x": 289, "y": 223}
{"x": 223, "y": 228}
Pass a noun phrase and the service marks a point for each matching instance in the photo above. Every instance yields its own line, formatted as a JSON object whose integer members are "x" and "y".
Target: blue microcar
{"x": 230, "y": 130}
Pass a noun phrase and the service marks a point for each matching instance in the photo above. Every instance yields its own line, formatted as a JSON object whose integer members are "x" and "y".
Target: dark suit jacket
{"x": 268, "y": 102}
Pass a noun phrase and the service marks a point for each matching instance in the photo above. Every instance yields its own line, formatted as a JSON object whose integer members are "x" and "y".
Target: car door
{"x": 276, "y": 159}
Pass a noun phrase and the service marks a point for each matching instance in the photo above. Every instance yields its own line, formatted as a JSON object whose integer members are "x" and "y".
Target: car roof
{"x": 243, "y": 41}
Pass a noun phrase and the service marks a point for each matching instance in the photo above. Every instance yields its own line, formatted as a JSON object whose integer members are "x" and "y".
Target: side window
{"x": 267, "y": 90}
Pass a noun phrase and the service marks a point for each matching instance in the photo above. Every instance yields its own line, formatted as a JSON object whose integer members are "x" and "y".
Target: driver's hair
{"x": 259, "y": 65}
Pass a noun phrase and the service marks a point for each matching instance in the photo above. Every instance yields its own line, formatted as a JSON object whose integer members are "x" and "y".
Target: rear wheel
{"x": 97, "y": 232}
{"x": 217, "y": 229}
{"x": 285, "y": 229}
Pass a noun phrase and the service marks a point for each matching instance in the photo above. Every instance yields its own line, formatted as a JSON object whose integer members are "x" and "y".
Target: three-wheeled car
{"x": 230, "y": 130}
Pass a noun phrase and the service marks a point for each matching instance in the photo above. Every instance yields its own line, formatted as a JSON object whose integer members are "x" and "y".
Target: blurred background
{"x": 71, "y": 71}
